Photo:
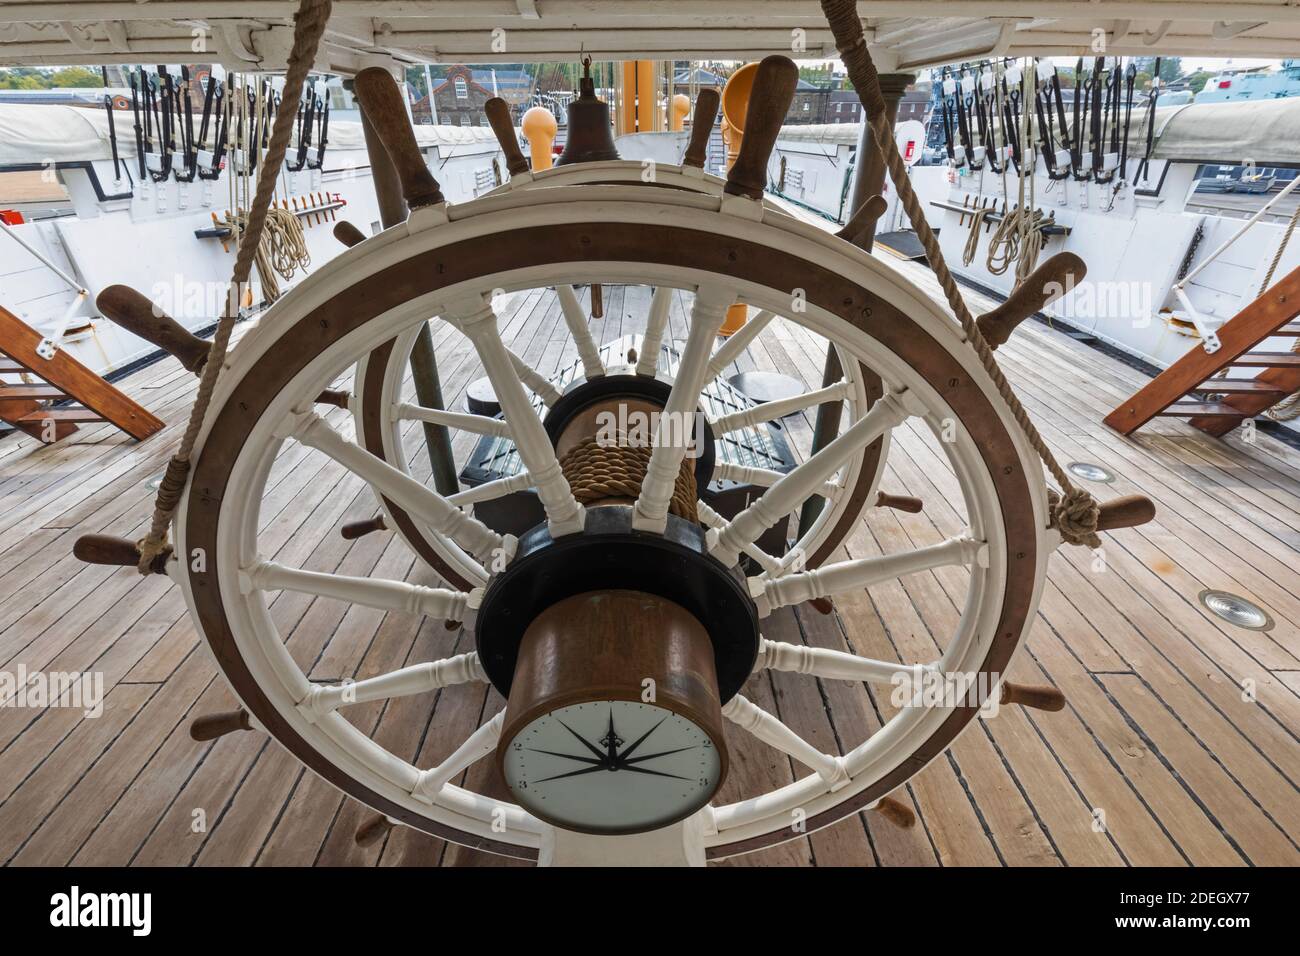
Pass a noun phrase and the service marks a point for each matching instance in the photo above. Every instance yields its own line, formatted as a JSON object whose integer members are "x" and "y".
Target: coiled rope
{"x": 596, "y": 469}
{"x": 308, "y": 28}
{"x": 1076, "y": 512}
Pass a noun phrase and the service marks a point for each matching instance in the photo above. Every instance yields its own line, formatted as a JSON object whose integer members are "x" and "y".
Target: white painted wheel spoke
{"x": 791, "y": 489}
{"x": 490, "y": 490}
{"x": 416, "y": 679}
{"x": 832, "y": 665}
{"x": 767, "y": 728}
{"x": 383, "y": 595}
{"x": 427, "y": 505}
{"x": 535, "y": 380}
{"x": 766, "y": 478}
{"x": 479, "y": 424}
{"x": 711, "y": 519}
{"x": 651, "y": 343}
{"x": 676, "y": 423}
{"x": 863, "y": 573}
{"x": 575, "y": 317}
{"x": 771, "y": 411}
{"x": 564, "y": 515}
{"x": 476, "y": 746}
{"x": 738, "y": 341}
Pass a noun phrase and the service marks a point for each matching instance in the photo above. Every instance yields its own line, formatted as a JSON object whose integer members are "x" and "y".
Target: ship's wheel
{"x": 622, "y": 628}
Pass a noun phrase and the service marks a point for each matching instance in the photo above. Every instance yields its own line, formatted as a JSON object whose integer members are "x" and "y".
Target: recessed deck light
{"x": 153, "y": 483}
{"x": 1090, "y": 472}
{"x": 1235, "y": 609}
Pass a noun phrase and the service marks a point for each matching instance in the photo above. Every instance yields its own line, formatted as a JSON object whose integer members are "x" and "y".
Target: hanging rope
{"x": 1289, "y": 408}
{"x": 1075, "y": 514}
{"x": 1019, "y": 239}
{"x": 282, "y": 250}
{"x": 309, "y": 26}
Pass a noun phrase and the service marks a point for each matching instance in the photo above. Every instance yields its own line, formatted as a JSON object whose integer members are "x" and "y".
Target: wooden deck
{"x": 1161, "y": 756}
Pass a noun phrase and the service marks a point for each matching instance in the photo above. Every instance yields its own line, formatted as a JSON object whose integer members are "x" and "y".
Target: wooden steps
{"x": 1270, "y": 314}
{"x": 63, "y": 377}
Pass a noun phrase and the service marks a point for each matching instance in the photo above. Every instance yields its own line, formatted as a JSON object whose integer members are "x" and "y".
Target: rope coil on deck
{"x": 1074, "y": 514}
{"x": 308, "y": 28}
{"x": 597, "y": 469}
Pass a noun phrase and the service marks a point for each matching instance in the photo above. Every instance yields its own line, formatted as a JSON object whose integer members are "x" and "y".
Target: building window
{"x": 462, "y": 89}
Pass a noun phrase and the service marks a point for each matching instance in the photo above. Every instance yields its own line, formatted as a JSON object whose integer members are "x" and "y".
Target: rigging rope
{"x": 1075, "y": 514}
{"x": 309, "y": 26}
{"x": 1289, "y": 408}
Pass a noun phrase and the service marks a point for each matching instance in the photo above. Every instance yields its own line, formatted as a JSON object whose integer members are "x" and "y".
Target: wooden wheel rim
{"x": 293, "y": 353}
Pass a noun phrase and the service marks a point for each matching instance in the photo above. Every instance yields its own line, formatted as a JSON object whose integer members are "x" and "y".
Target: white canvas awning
{"x": 1264, "y": 131}
{"x": 904, "y": 34}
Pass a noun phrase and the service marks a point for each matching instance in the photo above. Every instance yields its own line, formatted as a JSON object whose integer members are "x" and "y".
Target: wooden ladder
{"x": 1174, "y": 392}
{"x": 62, "y": 377}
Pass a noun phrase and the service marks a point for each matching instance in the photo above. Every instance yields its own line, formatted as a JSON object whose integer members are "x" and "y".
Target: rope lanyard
{"x": 309, "y": 27}
{"x": 1075, "y": 513}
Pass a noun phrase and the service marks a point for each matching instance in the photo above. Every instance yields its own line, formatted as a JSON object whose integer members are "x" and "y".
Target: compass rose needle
{"x": 640, "y": 740}
{"x": 653, "y": 773}
{"x": 644, "y": 757}
{"x": 556, "y": 753}
{"x": 583, "y": 740}
{"x": 575, "y": 773}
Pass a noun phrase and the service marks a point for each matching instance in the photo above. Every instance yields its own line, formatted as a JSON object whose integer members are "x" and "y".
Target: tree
{"x": 76, "y": 77}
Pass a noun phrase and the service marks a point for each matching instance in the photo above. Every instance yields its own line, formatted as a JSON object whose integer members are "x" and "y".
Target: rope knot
{"x": 1075, "y": 516}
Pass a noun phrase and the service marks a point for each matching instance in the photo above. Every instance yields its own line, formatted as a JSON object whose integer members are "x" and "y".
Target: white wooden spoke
{"x": 564, "y": 515}
{"x": 535, "y": 380}
{"x": 863, "y": 573}
{"x": 378, "y": 593}
{"x": 416, "y": 679}
{"x": 676, "y": 423}
{"x": 427, "y": 505}
{"x": 791, "y": 489}
{"x": 737, "y": 342}
{"x": 766, "y": 478}
{"x": 833, "y": 665}
{"x": 493, "y": 489}
{"x": 479, "y": 424}
{"x": 711, "y": 519}
{"x": 648, "y": 361}
{"x": 754, "y": 719}
{"x": 476, "y": 746}
{"x": 771, "y": 411}
{"x": 575, "y": 317}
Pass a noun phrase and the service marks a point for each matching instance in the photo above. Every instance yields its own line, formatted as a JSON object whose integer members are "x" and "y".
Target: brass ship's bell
{"x": 590, "y": 138}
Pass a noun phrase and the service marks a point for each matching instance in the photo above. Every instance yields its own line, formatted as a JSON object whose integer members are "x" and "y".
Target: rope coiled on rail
{"x": 1075, "y": 513}
{"x": 308, "y": 28}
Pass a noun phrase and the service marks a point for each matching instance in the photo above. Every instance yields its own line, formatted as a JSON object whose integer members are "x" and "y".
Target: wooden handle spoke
{"x": 1128, "y": 511}
{"x": 382, "y": 102}
{"x": 133, "y": 312}
{"x": 1045, "y": 284}
{"x": 864, "y": 220}
{"x": 359, "y": 529}
{"x": 333, "y": 396}
{"x": 1035, "y": 697}
{"x": 348, "y": 234}
{"x": 212, "y": 726}
{"x": 769, "y": 100}
{"x": 498, "y": 116}
{"x": 110, "y": 549}
{"x": 706, "y": 114}
{"x": 373, "y": 830}
{"x": 900, "y": 503}
{"x": 896, "y": 812}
